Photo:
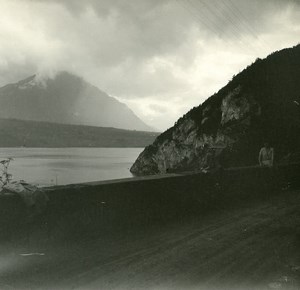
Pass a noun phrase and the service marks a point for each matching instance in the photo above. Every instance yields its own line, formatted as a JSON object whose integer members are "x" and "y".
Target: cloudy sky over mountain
{"x": 161, "y": 57}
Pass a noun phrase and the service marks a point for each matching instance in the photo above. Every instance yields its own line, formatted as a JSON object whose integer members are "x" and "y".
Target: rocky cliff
{"x": 259, "y": 104}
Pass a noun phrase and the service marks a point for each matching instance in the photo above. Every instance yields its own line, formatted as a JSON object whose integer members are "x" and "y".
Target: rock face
{"x": 260, "y": 104}
{"x": 65, "y": 99}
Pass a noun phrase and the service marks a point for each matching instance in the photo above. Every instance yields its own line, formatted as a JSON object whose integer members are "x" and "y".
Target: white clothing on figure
{"x": 266, "y": 156}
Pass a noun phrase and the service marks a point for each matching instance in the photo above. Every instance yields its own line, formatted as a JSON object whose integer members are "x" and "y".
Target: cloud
{"x": 161, "y": 57}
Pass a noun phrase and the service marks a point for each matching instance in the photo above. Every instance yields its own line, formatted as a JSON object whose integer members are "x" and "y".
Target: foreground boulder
{"x": 262, "y": 103}
{"x": 34, "y": 198}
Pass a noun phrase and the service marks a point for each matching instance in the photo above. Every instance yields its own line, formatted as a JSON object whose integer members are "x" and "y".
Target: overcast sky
{"x": 160, "y": 57}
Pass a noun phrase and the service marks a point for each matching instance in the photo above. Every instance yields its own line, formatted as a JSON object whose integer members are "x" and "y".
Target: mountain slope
{"x": 15, "y": 133}
{"x": 65, "y": 99}
{"x": 259, "y": 104}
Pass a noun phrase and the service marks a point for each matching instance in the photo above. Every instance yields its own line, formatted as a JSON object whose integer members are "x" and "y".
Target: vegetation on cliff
{"x": 262, "y": 103}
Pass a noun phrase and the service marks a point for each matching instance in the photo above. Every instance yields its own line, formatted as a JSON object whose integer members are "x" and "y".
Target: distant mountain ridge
{"x": 17, "y": 133}
{"x": 262, "y": 103}
{"x": 65, "y": 99}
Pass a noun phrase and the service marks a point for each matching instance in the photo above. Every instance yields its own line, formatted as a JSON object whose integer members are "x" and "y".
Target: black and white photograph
{"x": 149, "y": 144}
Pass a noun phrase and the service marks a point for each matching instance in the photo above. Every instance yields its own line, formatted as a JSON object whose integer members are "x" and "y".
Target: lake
{"x": 51, "y": 166}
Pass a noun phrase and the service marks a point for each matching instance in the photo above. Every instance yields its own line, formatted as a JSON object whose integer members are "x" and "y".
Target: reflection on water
{"x": 50, "y": 166}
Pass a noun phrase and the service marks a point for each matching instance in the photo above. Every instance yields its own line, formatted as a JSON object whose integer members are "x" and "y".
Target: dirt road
{"x": 251, "y": 247}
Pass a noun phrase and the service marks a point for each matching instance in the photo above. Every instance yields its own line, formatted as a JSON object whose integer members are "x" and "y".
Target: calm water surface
{"x": 50, "y": 166}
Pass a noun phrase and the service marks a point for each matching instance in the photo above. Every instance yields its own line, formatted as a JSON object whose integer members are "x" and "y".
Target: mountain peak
{"x": 67, "y": 99}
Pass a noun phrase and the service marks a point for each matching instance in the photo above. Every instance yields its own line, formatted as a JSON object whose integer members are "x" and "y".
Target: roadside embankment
{"x": 93, "y": 209}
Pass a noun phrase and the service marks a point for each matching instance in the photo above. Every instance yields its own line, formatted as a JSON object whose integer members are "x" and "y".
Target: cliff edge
{"x": 262, "y": 103}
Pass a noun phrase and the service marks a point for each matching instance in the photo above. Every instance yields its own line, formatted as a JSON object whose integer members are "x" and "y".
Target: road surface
{"x": 254, "y": 246}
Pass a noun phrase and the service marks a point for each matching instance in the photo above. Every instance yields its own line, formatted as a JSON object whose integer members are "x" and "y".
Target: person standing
{"x": 266, "y": 156}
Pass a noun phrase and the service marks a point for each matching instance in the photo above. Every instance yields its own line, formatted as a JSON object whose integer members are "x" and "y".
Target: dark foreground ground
{"x": 253, "y": 243}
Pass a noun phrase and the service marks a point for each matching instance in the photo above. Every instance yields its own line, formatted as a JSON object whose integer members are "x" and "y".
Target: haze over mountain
{"x": 65, "y": 99}
{"x": 159, "y": 57}
{"x": 262, "y": 103}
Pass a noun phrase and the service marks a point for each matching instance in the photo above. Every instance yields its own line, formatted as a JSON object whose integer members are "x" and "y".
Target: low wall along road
{"x": 92, "y": 208}
{"x": 235, "y": 229}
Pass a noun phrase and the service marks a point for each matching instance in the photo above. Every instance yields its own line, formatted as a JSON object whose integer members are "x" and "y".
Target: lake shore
{"x": 162, "y": 232}
{"x": 60, "y": 166}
